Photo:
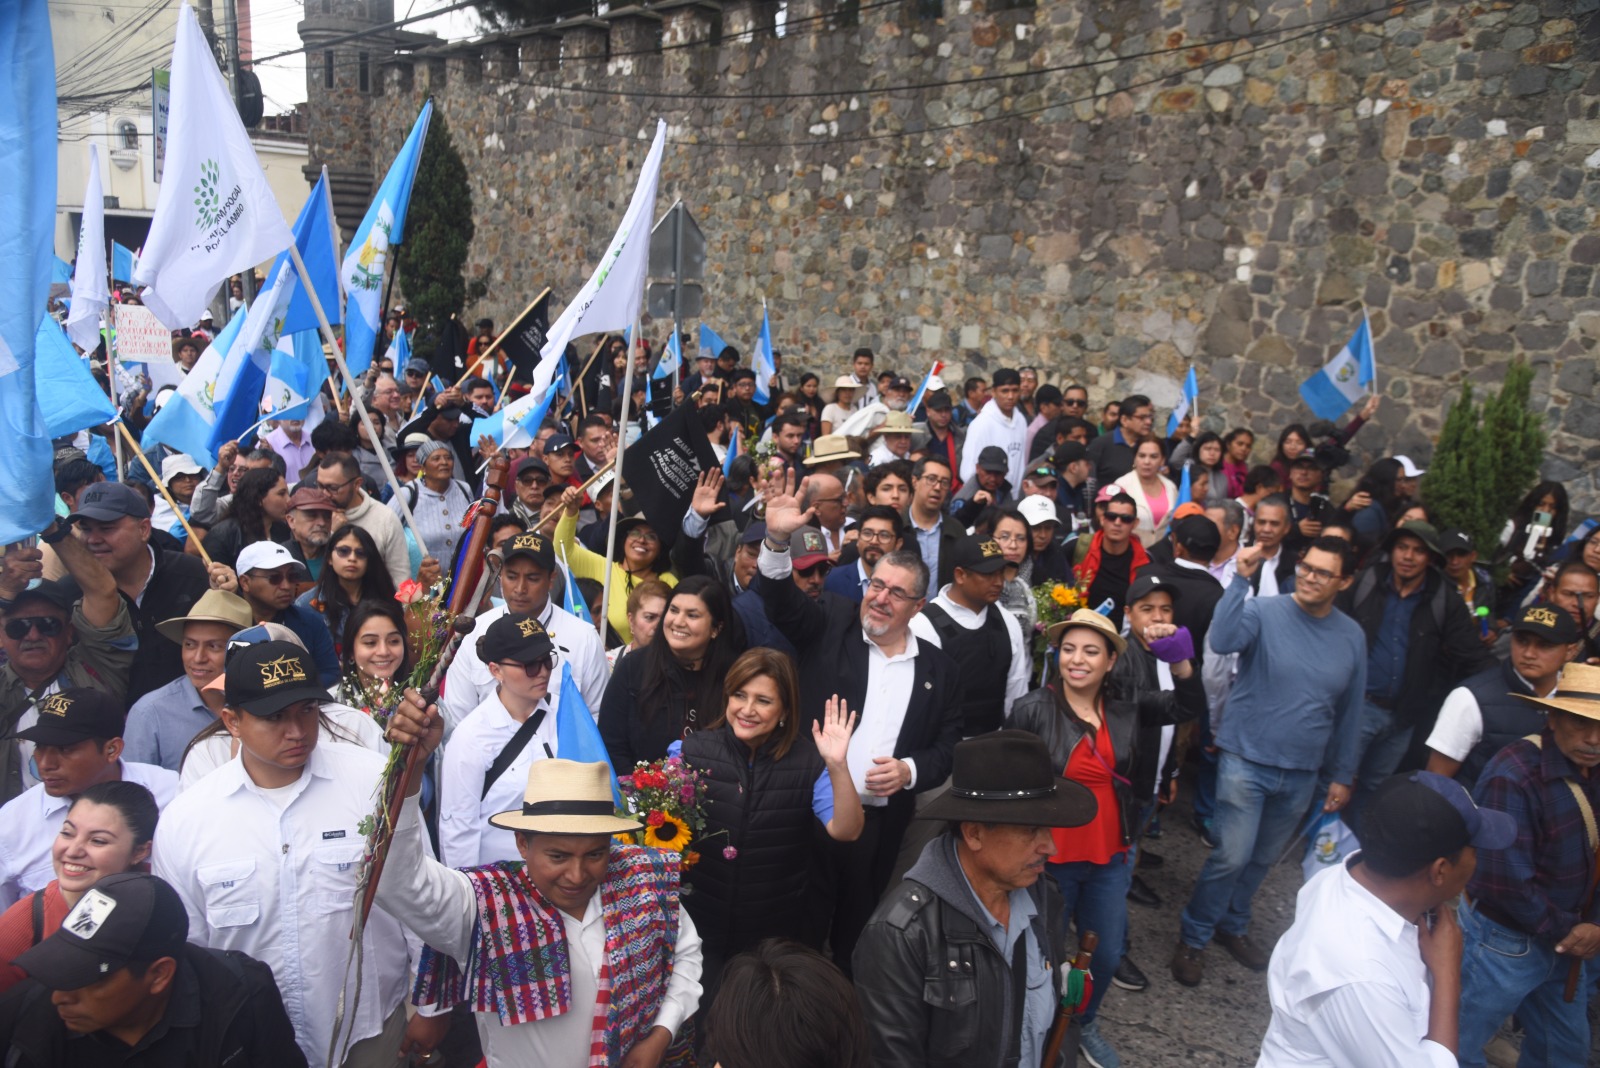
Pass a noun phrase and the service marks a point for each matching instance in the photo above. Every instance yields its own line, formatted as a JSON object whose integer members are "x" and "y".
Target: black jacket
{"x": 631, "y": 736}
{"x": 935, "y": 991}
{"x": 1134, "y": 678}
{"x": 762, "y": 808}
{"x": 833, "y": 660}
{"x": 225, "y": 1010}
{"x": 176, "y": 583}
{"x": 1043, "y": 713}
{"x": 1443, "y": 648}
{"x": 1198, "y": 597}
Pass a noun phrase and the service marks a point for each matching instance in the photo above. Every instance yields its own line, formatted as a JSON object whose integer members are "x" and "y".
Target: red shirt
{"x": 1099, "y": 840}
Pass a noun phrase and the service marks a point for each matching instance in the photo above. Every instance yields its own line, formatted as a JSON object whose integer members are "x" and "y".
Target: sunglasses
{"x": 47, "y": 626}
{"x": 352, "y": 552}
{"x": 271, "y": 578}
{"x": 1121, "y": 517}
{"x": 533, "y": 668}
{"x": 824, "y": 567}
{"x": 1074, "y": 402}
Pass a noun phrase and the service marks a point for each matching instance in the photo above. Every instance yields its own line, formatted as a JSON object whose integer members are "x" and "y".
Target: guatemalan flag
{"x": 1344, "y": 379}
{"x": 1191, "y": 393}
{"x": 761, "y": 360}
{"x": 671, "y": 357}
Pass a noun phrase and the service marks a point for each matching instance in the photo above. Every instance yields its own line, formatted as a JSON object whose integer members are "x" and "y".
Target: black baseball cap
{"x": 68, "y": 717}
{"x": 1307, "y": 460}
{"x": 531, "y": 546}
{"x": 1146, "y": 584}
{"x": 994, "y": 460}
{"x": 753, "y": 533}
{"x": 519, "y": 638}
{"x": 979, "y": 554}
{"x": 1552, "y": 624}
{"x": 62, "y": 592}
{"x": 1069, "y": 452}
{"x": 937, "y": 399}
{"x": 1198, "y": 535}
{"x": 123, "y": 919}
{"x": 899, "y": 384}
{"x": 529, "y": 463}
{"x": 266, "y": 678}
{"x": 418, "y": 365}
{"x": 1007, "y": 376}
{"x": 556, "y": 442}
{"x": 107, "y": 502}
{"x": 1414, "y": 819}
{"x": 1455, "y": 541}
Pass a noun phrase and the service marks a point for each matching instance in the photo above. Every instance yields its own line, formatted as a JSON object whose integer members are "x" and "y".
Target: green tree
{"x": 511, "y": 14}
{"x": 1486, "y": 459}
{"x": 439, "y": 232}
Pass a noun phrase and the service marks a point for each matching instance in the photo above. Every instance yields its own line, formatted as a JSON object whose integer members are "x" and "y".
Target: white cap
{"x": 1409, "y": 469}
{"x": 1038, "y": 510}
{"x": 265, "y": 556}
{"x": 179, "y": 463}
{"x": 602, "y": 484}
{"x": 935, "y": 383}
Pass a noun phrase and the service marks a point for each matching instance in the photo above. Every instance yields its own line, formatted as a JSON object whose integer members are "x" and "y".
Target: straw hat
{"x": 895, "y": 423}
{"x": 832, "y": 447}
{"x": 1087, "y": 617}
{"x": 566, "y": 797}
{"x": 843, "y": 382}
{"x": 1577, "y": 691}
{"x": 214, "y": 606}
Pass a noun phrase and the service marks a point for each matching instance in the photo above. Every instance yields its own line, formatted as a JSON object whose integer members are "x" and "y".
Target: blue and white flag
{"x": 69, "y": 397}
{"x": 399, "y": 351}
{"x": 671, "y": 357}
{"x": 90, "y": 294}
{"x": 577, "y": 734}
{"x": 572, "y": 597}
{"x": 367, "y": 259}
{"x": 711, "y": 344}
{"x": 184, "y": 422}
{"x": 316, "y": 234}
{"x": 514, "y": 426}
{"x": 244, "y": 370}
{"x": 761, "y": 359}
{"x": 215, "y": 215}
{"x": 1185, "y": 489}
{"x": 922, "y": 389}
{"x": 734, "y": 441}
{"x": 123, "y": 262}
{"x": 1191, "y": 393}
{"x": 1345, "y": 379}
{"x": 294, "y": 379}
{"x": 28, "y": 206}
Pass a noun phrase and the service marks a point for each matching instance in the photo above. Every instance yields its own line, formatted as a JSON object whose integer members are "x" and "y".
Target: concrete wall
{"x": 1152, "y": 182}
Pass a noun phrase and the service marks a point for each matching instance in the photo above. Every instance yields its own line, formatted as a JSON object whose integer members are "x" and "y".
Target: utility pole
{"x": 230, "y": 25}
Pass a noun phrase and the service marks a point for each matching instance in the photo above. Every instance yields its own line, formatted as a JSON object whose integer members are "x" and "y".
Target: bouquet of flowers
{"x": 669, "y": 796}
{"x": 1054, "y": 601}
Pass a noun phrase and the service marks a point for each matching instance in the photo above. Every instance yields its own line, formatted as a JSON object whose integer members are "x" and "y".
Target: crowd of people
{"x": 948, "y": 659}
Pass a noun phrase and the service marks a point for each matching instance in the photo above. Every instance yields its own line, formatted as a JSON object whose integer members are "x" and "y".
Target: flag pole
{"x": 111, "y": 376}
{"x": 616, "y": 494}
{"x": 355, "y": 392}
{"x": 495, "y": 344}
{"x": 161, "y": 487}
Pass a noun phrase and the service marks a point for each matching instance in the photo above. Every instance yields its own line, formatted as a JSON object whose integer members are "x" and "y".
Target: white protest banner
{"x": 141, "y": 337}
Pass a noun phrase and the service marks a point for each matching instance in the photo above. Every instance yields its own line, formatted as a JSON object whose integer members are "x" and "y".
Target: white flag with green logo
{"x": 215, "y": 215}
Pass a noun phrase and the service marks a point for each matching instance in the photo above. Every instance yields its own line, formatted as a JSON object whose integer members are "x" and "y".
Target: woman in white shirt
{"x": 1153, "y": 493}
{"x": 437, "y": 500}
{"x": 838, "y": 410}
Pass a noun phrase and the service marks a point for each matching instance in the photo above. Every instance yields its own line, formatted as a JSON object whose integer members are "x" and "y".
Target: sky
{"x": 283, "y": 81}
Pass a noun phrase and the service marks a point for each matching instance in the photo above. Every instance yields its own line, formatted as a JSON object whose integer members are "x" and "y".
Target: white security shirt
{"x": 346, "y": 725}
{"x": 468, "y": 681}
{"x": 466, "y": 838}
{"x": 31, "y": 821}
{"x": 272, "y": 873}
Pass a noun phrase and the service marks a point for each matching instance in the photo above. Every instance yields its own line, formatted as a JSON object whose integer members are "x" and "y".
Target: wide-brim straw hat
{"x": 832, "y": 447}
{"x": 895, "y": 423}
{"x": 566, "y": 797}
{"x": 1577, "y": 691}
{"x": 843, "y": 382}
{"x": 214, "y": 606}
{"x": 1087, "y": 617}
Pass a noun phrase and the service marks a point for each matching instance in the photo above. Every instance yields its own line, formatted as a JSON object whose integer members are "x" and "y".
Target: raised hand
{"x": 832, "y": 735}
{"x": 572, "y": 499}
{"x": 784, "y": 514}
{"x": 707, "y": 493}
{"x": 1247, "y": 561}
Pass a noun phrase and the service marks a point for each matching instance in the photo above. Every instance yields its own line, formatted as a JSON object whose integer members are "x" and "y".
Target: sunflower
{"x": 672, "y": 834}
{"x": 1061, "y": 596}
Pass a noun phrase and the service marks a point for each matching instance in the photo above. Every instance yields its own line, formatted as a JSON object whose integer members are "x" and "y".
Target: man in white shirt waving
{"x": 1370, "y": 973}
{"x": 264, "y": 852}
{"x": 999, "y": 424}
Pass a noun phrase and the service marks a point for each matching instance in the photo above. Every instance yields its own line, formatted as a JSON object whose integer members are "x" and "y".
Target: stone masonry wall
{"x": 1108, "y": 189}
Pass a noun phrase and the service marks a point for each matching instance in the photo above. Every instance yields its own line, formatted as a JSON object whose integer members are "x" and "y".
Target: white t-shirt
{"x": 833, "y": 415}
{"x": 1460, "y": 723}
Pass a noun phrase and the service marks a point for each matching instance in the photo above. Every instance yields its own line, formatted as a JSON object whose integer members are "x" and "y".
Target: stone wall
{"x": 1108, "y": 189}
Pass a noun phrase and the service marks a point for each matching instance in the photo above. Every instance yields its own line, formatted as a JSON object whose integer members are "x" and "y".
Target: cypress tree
{"x": 439, "y": 232}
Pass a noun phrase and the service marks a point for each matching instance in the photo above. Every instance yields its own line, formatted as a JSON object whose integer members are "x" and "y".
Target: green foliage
{"x": 511, "y": 14}
{"x": 1487, "y": 457}
{"x": 439, "y": 232}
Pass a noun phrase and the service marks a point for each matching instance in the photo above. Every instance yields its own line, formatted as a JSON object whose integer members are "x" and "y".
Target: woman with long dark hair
{"x": 1293, "y": 441}
{"x": 1373, "y": 519}
{"x": 352, "y": 573}
{"x": 1205, "y": 451}
{"x": 674, "y": 685}
{"x": 1236, "y": 448}
{"x": 260, "y": 504}
{"x": 771, "y": 783}
{"x": 811, "y": 398}
{"x": 375, "y": 652}
{"x": 1548, "y": 503}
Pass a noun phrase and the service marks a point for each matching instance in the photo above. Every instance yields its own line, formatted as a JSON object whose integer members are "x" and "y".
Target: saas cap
{"x": 1414, "y": 819}
{"x": 993, "y": 459}
{"x": 531, "y": 546}
{"x": 266, "y": 678}
{"x": 123, "y": 919}
{"x": 1554, "y": 625}
{"x": 1087, "y": 617}
{"x": 1007, "y": 776}
{"x": 566, "y": 797}
{"x": 978, "y": 554}
{"x": 266, "y": 556}
{"x": 107, "y": 502}
{"x": 807, "y": 548}
{"x": 68, "y": 717}
{"x": 519, "y": 638}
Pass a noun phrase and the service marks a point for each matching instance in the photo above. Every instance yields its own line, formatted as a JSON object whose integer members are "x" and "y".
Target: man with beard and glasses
{"x": 310, "y": 523}
{"x": 880, "y": 531}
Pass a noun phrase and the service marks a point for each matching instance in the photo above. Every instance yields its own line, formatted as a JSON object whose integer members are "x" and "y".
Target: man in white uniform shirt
{"x": 1000, "y": 424}
{"x": 485, "y": 766}
{"x": 264, "y": 852}
{"x": 1370, "y": 973}
{"x": 77, "y": 742}
{"x": 530, "y": 561}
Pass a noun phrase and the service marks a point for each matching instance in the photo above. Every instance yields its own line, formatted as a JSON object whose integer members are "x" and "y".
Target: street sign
{"x": 677, "y": 246}
{"x": 660, "y": 302}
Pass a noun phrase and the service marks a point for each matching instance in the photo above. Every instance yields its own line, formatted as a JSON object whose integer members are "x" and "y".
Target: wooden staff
{"x": 598, "y": 474}
{"x": 1067, "y": 1008}
{"x": 194, "y": 539}
{"x": 495, "y": 344}
{"x": 583, "y": 394}
{"x": 466, "y": 593}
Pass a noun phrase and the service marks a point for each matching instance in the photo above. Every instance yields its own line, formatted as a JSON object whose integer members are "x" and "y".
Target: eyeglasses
{"x": 47, "y": 626}
{"x": 533, "y": 668}
{"x": 934, "y": 481}
{"x": 808, "y": 572}
{"x": 885, "y": 536}
{"x": 350, "y": 552}
{"x": 271, "y": 578}
{"x": 1305, "y": 570}
{"x": 337, "y": 486}
{"x": 1075, "y": 402}
{"x": 896, "y": 594}
{"x": 1121, "y": 517}
{"x": 1010, "y": 539}
{"x": 644, "y": 537}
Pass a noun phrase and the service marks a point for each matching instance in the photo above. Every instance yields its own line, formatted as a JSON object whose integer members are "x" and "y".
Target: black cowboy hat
{"x": 1007, "y": 777}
